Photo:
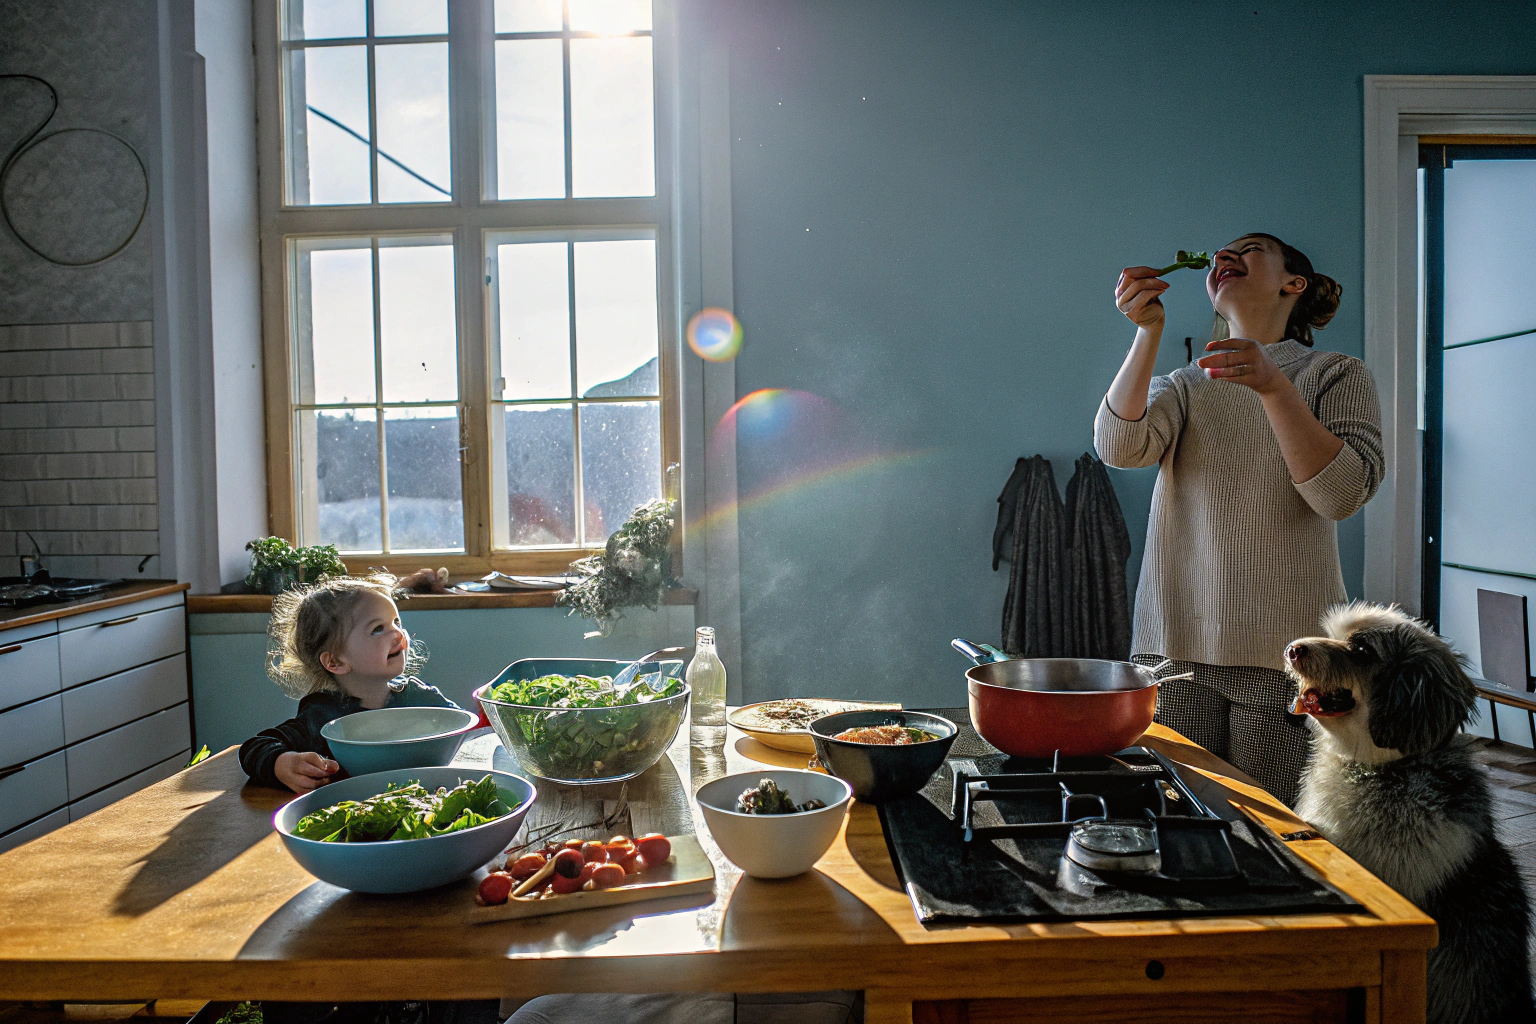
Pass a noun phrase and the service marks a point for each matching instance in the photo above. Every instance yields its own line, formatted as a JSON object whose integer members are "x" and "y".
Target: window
{"x": 471, "y": 354}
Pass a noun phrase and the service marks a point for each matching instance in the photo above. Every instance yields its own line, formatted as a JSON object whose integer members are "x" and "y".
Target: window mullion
{"x": 570, "y": 300}
{"x": 565, "y": 65}
{"x": 378, "y": 399}
{"x": 373, "y": 123}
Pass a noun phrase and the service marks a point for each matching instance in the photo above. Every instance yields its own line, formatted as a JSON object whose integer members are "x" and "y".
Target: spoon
{"x": 626, "y": 676}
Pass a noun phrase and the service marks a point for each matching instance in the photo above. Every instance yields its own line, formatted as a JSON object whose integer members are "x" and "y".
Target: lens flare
{"x": 715, "y": 334}
{"x": 789, "y": 442}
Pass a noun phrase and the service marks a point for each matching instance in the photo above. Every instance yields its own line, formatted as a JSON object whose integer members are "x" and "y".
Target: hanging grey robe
{"x": 1098, "y": 546}
{"x": 1034, "y": 612}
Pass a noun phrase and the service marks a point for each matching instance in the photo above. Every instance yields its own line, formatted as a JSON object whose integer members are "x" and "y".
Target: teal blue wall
{"x": 233, "y": 699}
{"x": 931, "y": 203}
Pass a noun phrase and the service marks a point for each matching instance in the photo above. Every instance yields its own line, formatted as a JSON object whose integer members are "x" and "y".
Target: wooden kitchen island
{"x": 182, "y": 891}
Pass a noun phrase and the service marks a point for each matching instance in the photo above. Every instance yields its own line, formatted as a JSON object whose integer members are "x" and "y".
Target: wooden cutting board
{"x": 687, "y": 872}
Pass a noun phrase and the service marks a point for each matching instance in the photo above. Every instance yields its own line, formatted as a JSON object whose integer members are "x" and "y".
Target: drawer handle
{"x": 14, "y": 769}
{"x": 122, "y": 621}
{"x": 11, "y": 649}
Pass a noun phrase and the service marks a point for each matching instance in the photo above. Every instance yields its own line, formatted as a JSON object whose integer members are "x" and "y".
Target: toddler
{"x": 338, "y": 647}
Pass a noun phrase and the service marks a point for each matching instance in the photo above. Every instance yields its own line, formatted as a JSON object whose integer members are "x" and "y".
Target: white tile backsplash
{"x": 77, "y": 446}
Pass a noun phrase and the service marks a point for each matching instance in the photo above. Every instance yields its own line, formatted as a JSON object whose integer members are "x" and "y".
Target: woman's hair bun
{"x": 1317, "y": 304}
{"x": 1321, "y": 300}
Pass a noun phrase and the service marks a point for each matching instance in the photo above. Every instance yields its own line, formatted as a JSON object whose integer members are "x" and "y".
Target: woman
{"x": 1263, "y": 444}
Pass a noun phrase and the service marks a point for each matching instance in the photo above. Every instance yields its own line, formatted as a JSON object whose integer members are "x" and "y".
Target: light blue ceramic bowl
{"x": 403, "y": 865}
{"x": 390, "y": 738}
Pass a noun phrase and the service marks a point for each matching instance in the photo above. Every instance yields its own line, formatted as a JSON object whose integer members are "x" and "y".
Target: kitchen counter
{"x": 183, "y": 891}
{"x": 125, "y": 593}
{"x": 212, "y": 604}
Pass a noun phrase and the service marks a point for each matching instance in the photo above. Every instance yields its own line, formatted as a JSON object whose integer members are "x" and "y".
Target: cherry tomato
{"x": 594, "y": 851}
{"x": 562, "y": 884}
{"x": 496, "y": 887}
{"x": 655, "y": 848}
{"x": 568, "y": 863}
{"x": 607, "y": 875}
{"x": 526, "y": 866}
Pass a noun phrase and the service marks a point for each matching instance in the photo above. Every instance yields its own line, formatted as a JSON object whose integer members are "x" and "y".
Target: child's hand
{"x": 304, "y": 772}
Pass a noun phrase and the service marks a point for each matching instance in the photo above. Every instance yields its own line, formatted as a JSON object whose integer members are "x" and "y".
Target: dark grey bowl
{"x": 878, "y": 772}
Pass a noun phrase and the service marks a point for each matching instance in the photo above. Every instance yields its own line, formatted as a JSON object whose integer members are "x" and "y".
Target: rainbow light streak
{"x": 715, "y": 334}
{"x": 802, "y": 434}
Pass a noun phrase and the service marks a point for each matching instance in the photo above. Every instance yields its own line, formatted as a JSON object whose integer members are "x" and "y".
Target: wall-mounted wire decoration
{"x": 78, "y": 219}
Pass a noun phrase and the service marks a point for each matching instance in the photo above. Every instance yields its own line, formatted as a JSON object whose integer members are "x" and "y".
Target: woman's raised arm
{"x": 1136, "y": 295}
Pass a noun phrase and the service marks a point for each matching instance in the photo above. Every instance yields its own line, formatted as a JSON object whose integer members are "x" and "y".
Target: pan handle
{"x": 972, "y": 651}
{"x": 1182, "y": 677}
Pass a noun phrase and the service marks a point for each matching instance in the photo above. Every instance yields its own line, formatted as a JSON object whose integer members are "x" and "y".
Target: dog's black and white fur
{"x": 1391, "y": 781}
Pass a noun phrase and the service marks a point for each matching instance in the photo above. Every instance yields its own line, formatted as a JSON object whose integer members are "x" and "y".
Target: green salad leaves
{"x": 1187, "y": 261}
{"x": 405, "y": 812}
{"x": 602, "y": 731}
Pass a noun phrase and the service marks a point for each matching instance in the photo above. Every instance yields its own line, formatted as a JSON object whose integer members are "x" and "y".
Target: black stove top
{"x": 1132, "y": 835}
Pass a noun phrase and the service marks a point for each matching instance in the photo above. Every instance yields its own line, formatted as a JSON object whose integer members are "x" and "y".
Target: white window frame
{"x": 470, "y": 219}
{"x": 1399, "y": 109}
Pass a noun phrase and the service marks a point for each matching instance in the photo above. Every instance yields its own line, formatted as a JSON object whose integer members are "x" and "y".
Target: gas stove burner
{"x": 1130, "y": 814}
{"x": 1120, "y": 846}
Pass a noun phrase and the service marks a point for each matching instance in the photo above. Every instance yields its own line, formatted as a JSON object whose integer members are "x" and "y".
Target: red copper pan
{"x": 1034, "y": 707}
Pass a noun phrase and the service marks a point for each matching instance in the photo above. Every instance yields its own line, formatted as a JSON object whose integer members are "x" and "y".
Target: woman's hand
{"x": 1243, "y": 362}
{"x": 1136, "y": 295}
{"x": 304, "y": 772}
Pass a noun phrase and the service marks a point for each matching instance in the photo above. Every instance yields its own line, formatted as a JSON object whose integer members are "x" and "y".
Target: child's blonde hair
{"x": 309, "y": 621}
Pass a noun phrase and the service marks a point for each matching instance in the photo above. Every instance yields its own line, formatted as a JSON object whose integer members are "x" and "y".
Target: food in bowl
{"x": 409, "y": 865}
{"x": 886, "y": 735}
{"x": 406, "y": 811}
{"x": 889, "y": 754}
{"x": 767, "y": 798}
{"x": 578, "y": 728}
{"x": 775, "y": 845}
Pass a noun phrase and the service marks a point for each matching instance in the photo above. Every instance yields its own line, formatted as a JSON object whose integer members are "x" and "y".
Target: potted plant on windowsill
{"x": 277, "y": 565}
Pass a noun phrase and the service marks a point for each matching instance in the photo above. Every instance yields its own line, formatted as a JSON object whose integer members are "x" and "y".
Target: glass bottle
{"x": 706, "y": 709}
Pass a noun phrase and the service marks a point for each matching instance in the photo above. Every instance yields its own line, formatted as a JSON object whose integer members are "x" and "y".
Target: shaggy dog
{"x": 1393, "y": 784}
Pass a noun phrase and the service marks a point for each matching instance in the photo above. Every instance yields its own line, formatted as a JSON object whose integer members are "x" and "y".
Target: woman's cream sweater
{"x": 1240, "y": 560}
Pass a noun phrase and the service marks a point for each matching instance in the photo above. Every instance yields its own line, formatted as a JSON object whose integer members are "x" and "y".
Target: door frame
{"x": 1398, "y": 110}
{"x": 1435, "y": 158}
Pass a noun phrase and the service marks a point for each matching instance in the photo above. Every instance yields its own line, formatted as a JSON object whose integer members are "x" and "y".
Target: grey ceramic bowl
{"x": 878, "y": 771}
{"x": 403, "y": 865}
{"x": 390, "y": 738}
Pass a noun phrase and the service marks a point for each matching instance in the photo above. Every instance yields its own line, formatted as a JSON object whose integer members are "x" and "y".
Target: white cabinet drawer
{"x": 29, "y": 669}
{"x": 116, "y": 700}
{"x": 31, "y": 730}
{"x": 113, "y": 645}
{"x": 32, "y": 792}
{"x": 40, "y": 827}
{"x": 112, "y": 794}
{"x": 113, "y": 756}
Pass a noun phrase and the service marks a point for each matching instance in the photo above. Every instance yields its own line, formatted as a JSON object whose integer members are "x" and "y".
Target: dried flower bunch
{"x": 632, "y": 571}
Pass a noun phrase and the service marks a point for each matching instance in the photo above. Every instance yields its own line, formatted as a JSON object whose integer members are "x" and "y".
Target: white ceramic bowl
{"x": 775, "y": 845}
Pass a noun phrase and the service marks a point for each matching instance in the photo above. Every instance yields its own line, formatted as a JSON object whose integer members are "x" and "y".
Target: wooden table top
{"x": 183, "y": 891}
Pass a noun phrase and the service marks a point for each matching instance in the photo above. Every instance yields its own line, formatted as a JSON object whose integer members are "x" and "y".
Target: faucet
{"x": 33, "y": 563}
